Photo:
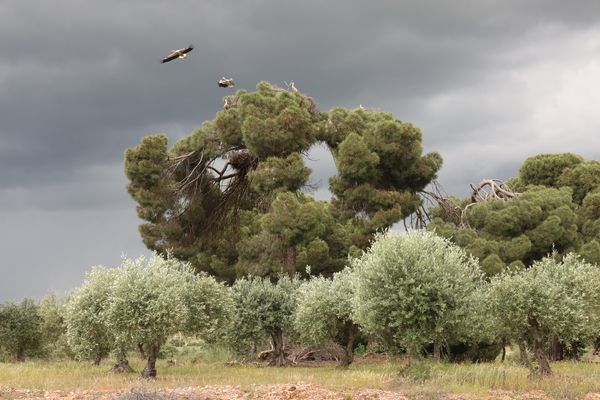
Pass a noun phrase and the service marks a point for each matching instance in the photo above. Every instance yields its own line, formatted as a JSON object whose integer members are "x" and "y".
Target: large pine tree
{"x": 229, "y": 197}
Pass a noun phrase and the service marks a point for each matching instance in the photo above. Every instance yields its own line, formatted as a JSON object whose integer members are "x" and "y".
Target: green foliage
{"x": 151, "y": 301}
{"x": 53, "y": 327}
{"x": 88, "y": 333}
{"x": 558, "y": 209}
{"x": 261, "y": 308}
{"x": 142, "y": 304}
{"x": 583, "y": 178}
{"x": 591, "y": 252}
{"x": 299, "y": 225}
{"x": 546, "y": 169}
{"x": 381, "y": 169}
{"x": 20, "y": 328}
{"x": 275, "y": 123}
{"x": 563, "y": 297}
{"x": 279, "y": 174}
{"x": 215, "y": 198}
{"x": 524, "y": 229}
{"x": 325, "y": 309}
{"x": 412, "y": 290}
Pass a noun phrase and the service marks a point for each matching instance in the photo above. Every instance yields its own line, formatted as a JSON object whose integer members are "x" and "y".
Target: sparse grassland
{"x": 425, "y": 379}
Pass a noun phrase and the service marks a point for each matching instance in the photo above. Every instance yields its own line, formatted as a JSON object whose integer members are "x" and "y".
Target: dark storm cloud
{"x": 488, "y": 82}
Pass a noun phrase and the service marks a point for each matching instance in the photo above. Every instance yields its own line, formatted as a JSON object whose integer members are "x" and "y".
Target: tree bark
{"x": 348, "y": 353}
{"x": 523, "y": 353}
{"x": 437, "y": 353}
{"x": 538, "y": 348}
{"x": 278, "y": 352}
{"x": 97, "y": 359}
{"x": 503, "y": 350}
{"x": 20, "y": 355}
{"x": 556, "y": 349}
{"x": 289, "y": 260}
{"x": 141, "y": 350}
{"x": 122, "y": 365}
{"x": 149, "y": 371}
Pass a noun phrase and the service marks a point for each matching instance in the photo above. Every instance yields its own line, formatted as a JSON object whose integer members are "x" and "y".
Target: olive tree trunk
{"x": 538, "y": 348}
{"x": 150, "y": 369}
{"x": 524, "y": 358}
{"x": 20, "y": 355}
{"x": 278, "y": 353}
{"x": 141, "y": 350}
{"x": 556, "y": 349}
{"x": 122, "y": 365}
{"x": 437, "y": 352}
{"x": 348, "y": 347}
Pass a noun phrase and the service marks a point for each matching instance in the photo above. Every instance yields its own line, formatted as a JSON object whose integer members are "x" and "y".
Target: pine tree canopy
{"x": 231, "y": 197}
{"x": 557, "y": 209}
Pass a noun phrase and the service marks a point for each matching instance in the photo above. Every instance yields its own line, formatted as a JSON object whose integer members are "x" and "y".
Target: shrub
{"x": 412, "y": 290}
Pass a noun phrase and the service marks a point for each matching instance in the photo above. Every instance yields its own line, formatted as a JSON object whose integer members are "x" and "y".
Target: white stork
{"x": 181, "y": 53}
{"x": 291, "y": 86}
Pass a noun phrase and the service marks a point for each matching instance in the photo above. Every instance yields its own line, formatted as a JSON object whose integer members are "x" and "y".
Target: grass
{"x": 71, "y": 375}
{"x": 571, "y": 380}
{"x": 425, "y": 379}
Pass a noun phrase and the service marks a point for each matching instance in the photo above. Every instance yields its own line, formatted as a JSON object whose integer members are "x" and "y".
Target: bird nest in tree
{"x": 241, "y": 160}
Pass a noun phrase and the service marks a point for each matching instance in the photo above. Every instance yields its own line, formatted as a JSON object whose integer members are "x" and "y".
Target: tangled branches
{"x": 486, "y": 190}
{"x": 491, "y": 189}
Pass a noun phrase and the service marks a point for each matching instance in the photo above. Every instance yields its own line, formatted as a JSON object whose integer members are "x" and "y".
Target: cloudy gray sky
{"x": 488, "y": 82}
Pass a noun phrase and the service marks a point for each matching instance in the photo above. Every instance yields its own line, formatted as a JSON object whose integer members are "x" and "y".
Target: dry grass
{"x": 425, "y": 380}
{"x": 571, "y": 380}
{"x": 71, "y": 375}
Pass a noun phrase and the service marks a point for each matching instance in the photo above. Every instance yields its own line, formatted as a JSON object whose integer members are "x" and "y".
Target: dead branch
{"x": 491, "y": 189}
{"x": 486, "y": 190}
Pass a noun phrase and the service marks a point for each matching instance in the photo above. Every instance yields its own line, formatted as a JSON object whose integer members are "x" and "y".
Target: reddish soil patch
{"x": 258, "y": 392}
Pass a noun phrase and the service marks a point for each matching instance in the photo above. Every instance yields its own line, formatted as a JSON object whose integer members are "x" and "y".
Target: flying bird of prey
{"x": 223, "y": 82}
{"x": 181, "y": 53}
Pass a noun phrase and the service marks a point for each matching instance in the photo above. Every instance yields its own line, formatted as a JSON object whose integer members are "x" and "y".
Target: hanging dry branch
{"x": 487, "y": 189}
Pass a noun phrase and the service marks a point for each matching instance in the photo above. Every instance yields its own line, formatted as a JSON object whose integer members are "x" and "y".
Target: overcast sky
{"x": 488, "y": 82}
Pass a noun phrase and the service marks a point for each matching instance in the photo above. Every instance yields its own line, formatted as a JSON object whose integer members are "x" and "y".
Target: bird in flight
{"x": 226, "y": 82}
{"x": 181, "y": 53}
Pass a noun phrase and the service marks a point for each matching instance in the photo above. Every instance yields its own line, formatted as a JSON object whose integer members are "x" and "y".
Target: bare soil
{"x": 258, "y": 392}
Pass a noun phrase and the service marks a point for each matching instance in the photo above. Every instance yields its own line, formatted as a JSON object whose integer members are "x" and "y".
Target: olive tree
{"x": 87, "y": 331}
{"x": 263, "y": 309}
{"x": 412, "y": 290}
{"x": 550, "y": 299}
{"x": 20, "y": 328}
{"x": 324, "y": 313}
{"x": 151, "y": 301}
{"x": 53, "y": 327}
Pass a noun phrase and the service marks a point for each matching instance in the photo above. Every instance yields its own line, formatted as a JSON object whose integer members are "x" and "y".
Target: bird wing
{"x": 170, "y": 57}
{"x": 176, "y": 53}
{"x": 187, "y": 49}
